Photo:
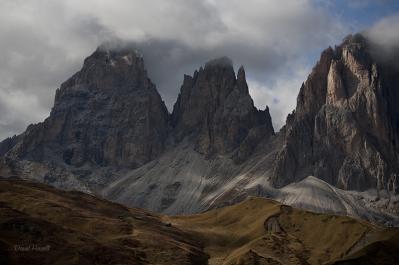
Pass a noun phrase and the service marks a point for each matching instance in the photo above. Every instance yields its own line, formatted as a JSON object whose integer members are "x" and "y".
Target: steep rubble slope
{"x": 316, "y": 195}
{"x": 184, "y": 181}
{"x": 189, "y": 184}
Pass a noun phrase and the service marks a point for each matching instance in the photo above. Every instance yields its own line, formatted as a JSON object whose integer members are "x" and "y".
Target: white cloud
{"x": 279, "y": 96}
{"x": 44, "y": 41}
{"x": 386, "y": 32}
{"x": 19, "y": 104}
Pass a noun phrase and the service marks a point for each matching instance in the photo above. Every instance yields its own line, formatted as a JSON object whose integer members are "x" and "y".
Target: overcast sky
{"x": 43, "y": 42}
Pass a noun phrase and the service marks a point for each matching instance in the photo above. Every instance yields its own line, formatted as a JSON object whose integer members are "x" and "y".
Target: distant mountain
{"x": 109, "y": 133}
{"x": 42, "y": 225}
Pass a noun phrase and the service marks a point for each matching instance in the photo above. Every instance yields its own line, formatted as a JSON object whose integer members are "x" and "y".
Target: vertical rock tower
{"x": 215, "y": 110}
{"x": 345, "y": 128}
{"x": 107, "y": 114}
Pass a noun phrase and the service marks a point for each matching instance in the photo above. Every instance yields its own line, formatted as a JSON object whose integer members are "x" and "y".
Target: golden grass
{"x": 236, "y": 233}
{"x": 83, "y": 228}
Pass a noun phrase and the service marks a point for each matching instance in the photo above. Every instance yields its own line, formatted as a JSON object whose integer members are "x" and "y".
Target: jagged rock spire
{"x": 215, "y": 108}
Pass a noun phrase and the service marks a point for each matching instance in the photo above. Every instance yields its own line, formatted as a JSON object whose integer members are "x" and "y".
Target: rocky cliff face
{"x": 107, "y": 114}
{"x": 110, "y": 133}
{"x": 215, "y": 110}
{"x": 345, "y": 126}
{"x": 110, "y": 114}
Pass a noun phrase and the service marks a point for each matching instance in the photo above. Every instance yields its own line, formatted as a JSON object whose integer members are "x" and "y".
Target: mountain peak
{"x": 119, "y": 46}
{"x": 110, "y": 69}
{"x": 215, "y": 108}
{"x": 116, "y": 59}
{"x": 109, "y": 101}
{"x": 241, "y": 73}
{"x": 357, "y": 38}
{"x": 241, "y": 79}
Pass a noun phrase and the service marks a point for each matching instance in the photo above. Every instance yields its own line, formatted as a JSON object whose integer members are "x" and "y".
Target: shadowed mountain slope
{"x": 43, "y": 225}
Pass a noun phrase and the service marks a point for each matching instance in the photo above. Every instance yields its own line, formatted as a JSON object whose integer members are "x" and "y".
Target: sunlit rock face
{"x": 345, "y": 126}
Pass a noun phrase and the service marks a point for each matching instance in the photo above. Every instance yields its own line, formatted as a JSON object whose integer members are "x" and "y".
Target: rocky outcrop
{"x": 107, "y": 114}
{"x": 214, "y": 109}
{"x": 345, "y": 126}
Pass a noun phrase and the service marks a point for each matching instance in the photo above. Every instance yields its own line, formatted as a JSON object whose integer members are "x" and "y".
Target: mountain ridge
{"x": 216, "y": 147}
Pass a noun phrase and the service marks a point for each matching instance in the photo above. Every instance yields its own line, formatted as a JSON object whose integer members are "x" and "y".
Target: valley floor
{"x": 42, "y": 225}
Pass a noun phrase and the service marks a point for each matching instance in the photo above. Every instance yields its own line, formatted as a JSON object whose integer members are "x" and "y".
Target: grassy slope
{"x": 82, "y": 229}
{"x": 236, "y": 234}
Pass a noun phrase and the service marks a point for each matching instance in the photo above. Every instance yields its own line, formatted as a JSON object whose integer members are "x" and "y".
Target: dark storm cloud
{"x": 44, "y": 42}
{"x": 167, "y": 61}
